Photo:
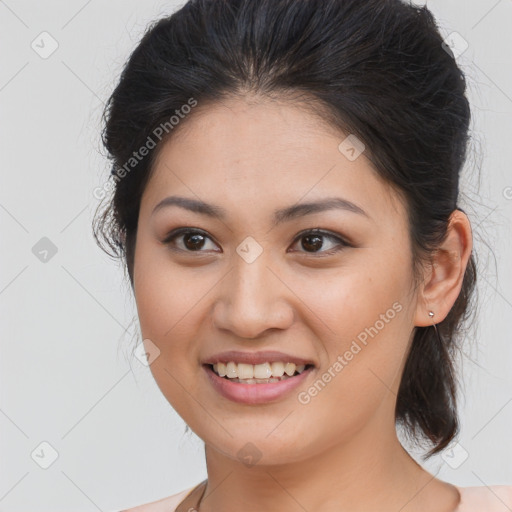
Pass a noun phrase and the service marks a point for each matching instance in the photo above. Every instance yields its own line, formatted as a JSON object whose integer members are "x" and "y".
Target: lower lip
{"x": 254, "y": 393}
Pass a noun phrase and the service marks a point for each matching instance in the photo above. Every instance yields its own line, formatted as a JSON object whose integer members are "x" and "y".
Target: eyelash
{"x": 342, "y": 244}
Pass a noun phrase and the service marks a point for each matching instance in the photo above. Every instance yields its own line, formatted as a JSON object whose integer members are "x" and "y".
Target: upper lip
{"x": 256, "y": 357}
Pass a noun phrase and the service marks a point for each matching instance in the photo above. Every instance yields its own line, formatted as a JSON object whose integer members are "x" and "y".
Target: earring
{"x": 431, "y": 315}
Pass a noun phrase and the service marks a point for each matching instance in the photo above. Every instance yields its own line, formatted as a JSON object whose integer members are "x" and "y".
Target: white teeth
{"x": 261, "y": 371}
{"x": 220, "y": 368}
{"x": 245, "y": 371}
{"x": 277, "y": 369}
{"x": 260, "y": 381}
{"x": 231, "y": 370}
{"x": 250, "y": 372}
{"x": 289, "y": 369}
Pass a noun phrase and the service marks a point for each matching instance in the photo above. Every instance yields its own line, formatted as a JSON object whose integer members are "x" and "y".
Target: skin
{"x": 339, "y": 452}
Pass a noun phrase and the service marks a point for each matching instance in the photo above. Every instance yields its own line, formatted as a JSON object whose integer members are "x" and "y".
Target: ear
{"x": 445, "y": 276}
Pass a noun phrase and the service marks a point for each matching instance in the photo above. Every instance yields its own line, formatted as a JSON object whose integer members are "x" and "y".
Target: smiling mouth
{"x": 265, "y": 373}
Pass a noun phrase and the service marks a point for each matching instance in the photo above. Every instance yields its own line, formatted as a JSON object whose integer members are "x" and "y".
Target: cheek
{"x": 168, "y": 297}
{"x": 349, "y": 301}
{"x": 362, "y": 318}
{"x": 168, "y": 301}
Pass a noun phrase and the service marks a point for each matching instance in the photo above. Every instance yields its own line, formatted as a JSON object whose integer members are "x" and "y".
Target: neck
{"x": 372, "y": 472}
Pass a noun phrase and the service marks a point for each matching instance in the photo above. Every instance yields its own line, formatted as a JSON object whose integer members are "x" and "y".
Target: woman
{"x": 286, "y": 203}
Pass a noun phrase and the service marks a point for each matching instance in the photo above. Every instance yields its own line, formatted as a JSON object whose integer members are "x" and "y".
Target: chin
{"x": 259, "y": 448}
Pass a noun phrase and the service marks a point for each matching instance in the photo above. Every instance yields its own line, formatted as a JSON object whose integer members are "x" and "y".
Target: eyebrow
{"x": 280, "y": 216}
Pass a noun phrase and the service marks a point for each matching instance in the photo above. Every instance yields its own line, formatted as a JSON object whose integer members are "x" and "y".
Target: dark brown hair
{"x": 377, "y": 69}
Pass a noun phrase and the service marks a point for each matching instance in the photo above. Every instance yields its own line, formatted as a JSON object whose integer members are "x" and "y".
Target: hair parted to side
{"x": 373, "y": 68}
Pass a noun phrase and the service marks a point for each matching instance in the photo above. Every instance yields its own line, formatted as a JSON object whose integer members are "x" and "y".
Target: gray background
{"x": 68, "y": 324}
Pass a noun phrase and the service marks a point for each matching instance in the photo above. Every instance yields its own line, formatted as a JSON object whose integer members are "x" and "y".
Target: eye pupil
{"x": 196, "y": 239}
{"x": 312, "y": 241}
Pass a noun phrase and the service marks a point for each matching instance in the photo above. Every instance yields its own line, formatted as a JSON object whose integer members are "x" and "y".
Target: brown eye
{"x": 189, "y": 240}
{"x": 193, "y": 241}
{"x": 314, "y": 241}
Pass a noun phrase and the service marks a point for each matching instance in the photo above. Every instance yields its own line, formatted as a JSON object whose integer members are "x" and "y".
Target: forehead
{"x": 261, "y": 153}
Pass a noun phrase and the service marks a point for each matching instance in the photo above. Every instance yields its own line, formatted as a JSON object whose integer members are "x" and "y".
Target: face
{"x": 239, "y": 277}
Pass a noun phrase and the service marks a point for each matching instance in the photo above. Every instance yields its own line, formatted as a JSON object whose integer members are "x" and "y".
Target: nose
{"x": 251, "y": 300}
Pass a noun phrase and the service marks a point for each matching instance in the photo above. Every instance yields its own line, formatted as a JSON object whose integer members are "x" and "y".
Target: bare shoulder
{"x": 492, "y": 498}
{"x": 167, "y": 504}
